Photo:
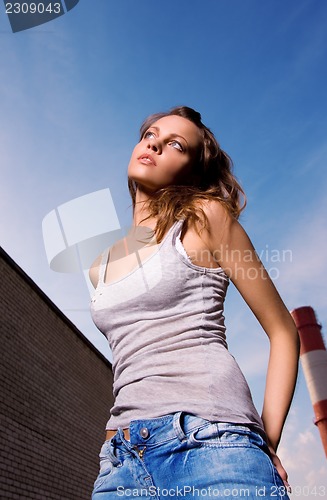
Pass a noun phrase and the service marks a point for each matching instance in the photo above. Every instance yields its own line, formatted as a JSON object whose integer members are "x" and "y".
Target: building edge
{"x": 6, "y": 257}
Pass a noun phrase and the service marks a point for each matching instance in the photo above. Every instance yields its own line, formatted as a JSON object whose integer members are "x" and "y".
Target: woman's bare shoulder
{"x": 214, "y": 209}
{"x": 217, "y": 216}
{"x": 212, "y": 226}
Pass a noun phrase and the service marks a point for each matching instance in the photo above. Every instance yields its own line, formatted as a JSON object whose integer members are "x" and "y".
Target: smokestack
{"x": 313, "y": 357}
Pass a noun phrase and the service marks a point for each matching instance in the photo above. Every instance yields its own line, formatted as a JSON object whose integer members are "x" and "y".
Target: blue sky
{"x": 73, "y": 93}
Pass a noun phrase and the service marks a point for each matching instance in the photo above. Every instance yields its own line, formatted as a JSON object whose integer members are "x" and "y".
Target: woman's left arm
{"x": 234, "y": 251}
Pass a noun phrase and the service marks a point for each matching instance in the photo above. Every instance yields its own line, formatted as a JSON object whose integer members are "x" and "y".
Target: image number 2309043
{"x": 28, "y": 14}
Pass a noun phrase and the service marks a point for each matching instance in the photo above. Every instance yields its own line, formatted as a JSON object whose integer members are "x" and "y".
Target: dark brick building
{"x": 55, "y": 396}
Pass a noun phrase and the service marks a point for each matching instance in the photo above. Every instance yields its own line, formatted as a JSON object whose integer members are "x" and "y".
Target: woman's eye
{"x": 177, "y": 145}
{"x": 148, "y": 135}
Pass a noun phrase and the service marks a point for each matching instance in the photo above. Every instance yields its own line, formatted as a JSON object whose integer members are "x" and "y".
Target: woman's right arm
{"x": 238, "y": 258}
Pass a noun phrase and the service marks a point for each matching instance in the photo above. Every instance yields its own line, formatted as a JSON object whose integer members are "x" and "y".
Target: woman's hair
{"x": 212, "y": 179}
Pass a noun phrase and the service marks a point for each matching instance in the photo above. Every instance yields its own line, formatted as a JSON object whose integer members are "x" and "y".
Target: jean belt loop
{"x": 120, "y": 433}
{"x": 111, "y": 453}
{"x": 177, "y": 425}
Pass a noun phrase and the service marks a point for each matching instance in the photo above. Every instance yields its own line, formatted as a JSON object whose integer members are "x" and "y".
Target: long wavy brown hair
{"x": 213, "y": 180}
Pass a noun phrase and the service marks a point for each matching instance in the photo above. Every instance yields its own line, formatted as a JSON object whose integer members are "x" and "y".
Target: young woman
{"x": 183, "y": 421}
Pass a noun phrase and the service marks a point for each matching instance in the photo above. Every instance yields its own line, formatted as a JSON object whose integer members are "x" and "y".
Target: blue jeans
{"x": 185, "y": 456}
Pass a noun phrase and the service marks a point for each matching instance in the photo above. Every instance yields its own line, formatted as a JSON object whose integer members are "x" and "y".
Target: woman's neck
{"x": 141, "y": 211}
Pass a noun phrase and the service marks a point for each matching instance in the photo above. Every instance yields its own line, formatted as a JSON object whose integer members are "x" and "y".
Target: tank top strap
{"x": 173, "y": 232}
{"x": 179, "y": 228}
{"x": 103, "y": 265}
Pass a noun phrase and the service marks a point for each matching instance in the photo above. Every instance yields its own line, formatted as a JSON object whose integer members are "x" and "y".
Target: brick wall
{"x": 55, "y": 396}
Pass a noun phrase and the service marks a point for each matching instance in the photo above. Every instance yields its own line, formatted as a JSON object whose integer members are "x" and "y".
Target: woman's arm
{"x": 234, "y": 251}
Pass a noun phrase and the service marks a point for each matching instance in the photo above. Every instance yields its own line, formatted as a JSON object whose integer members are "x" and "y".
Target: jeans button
{"x": 144, "y": 432}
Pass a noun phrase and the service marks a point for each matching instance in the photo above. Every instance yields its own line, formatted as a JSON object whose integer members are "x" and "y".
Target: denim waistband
{"x": 178, "y": 425}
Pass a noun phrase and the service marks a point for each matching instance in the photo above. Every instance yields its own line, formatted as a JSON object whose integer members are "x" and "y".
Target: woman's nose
{"x": 154, "y": 145}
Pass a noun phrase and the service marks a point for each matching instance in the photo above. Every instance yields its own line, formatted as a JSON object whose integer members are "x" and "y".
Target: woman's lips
{"x": 147, "y": 159}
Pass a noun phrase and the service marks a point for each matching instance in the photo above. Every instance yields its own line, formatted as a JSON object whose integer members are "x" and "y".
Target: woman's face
{"x": 166, "y": 153}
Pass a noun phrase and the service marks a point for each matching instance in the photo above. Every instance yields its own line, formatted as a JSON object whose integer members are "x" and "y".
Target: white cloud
{"x": 317, "y": 478}
{"x": 306, "y": 437}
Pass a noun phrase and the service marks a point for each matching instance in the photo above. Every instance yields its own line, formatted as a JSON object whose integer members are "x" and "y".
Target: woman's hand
{"x": 280, "y": 469}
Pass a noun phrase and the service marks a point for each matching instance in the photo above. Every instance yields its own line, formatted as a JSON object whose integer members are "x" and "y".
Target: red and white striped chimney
{"x": 313, "y": 357}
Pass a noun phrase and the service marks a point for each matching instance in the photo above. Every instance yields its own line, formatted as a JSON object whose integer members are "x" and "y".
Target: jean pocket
{"x": 205, "y": 435}
{"x": 108, "y": 461}
{"x": 224, "y": 434}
